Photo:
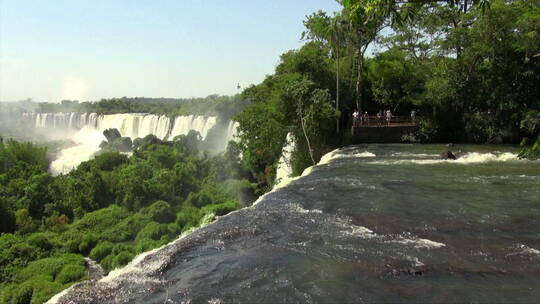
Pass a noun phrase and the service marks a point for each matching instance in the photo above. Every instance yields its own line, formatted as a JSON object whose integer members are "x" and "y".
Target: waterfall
{"x": 134, "y": 125}
{"x": 232, "y": 130}
{"x": 201, "y": 124}
{"x": 284, "y": 170}
{"x": 86, "y": 130}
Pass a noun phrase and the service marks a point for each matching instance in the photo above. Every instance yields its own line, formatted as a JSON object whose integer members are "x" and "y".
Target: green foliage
{"x": 87, "y": 243}
{"x": 107, "y": 161}
{"x": 101, "y": 251}
{"x": 122, "y": 258}
{"x": 40, "y": 240}
{"x": 188, "y": 217}
{"x": 160, "y": 212}
{"x": 221, "y": 209}
{"x": 153, "y": 231}
{"x": 224, "y": 106}
{"x": 469, "y": 72}
{"x": 7, "y": 218}
{"x": 22, "y": 159}
{"x": 530, "y": 151}
{"x": 71, "y": 273}
{"x": 109, "y": 208}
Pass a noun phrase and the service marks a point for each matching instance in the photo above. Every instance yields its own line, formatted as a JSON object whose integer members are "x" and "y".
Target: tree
{"x": 364, "y": 26}
{"x": 313, "y": 112}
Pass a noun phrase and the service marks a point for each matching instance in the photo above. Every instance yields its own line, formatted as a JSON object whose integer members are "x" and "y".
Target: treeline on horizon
{"x": 220, "y": 105}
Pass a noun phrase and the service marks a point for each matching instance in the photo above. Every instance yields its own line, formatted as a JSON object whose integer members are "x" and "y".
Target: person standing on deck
{"x": 388, "y": 117}
{"x": 379, "y": 118}
{"x": 366, "y": 118}
{"x": 355, "y": 118}
{"x": 413, "y": 116}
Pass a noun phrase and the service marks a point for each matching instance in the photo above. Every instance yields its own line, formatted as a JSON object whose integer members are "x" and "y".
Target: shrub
{"x": 25, "y": 251}
{"x": 145, "y": 245}
{"x": 17, "y": 294}
{"x": 40, "y": 240}
{"x": 153, "y": 231}
{"x": 87, "y": 243}
{"x": 107, "y": 161}
{"x": 188, "y": 217}
{"x": 125, "y": 230}
{"x": 221, "y": 209}
{"x": 49, "y": 267}
{"x": 530, "y": 150}
{"x": 71, "y": 246}
{"x": 160, "y": 212}
{"x": 43, "y": 289}
{"x": 7, "y": 218}
{"x": 107, "y": 263}
{"x": 101, "y": 220}
{"x": 123, "y": 258}
{"x": 123, "y": 247}
{"x": 71, "y": 273}
{"x": 101, "y": 251}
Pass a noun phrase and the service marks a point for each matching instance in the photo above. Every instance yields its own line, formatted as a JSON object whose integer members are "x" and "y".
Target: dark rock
{"x": 112, "y": 135}
{"x": 418, "y": 270}
{"x": 124, "y": 144}
{"x": 104, "y": 144}
{"x": 407, "y": 269}
{"x": 459, "y": 154}
{"x": 447, "y": 155}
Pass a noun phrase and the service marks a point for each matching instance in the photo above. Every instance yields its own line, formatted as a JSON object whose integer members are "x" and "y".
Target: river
{"x": 368, "y": 224}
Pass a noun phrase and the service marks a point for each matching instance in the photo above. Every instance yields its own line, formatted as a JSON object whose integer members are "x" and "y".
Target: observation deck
{"x": 374, "y": 130}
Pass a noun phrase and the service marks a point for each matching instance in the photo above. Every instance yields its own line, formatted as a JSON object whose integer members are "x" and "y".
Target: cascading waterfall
{"x": 232, "y": 130}
{"x": 202, "y": 124}
{"x": 86, "y": 130}
{"x": 284, "y": 169}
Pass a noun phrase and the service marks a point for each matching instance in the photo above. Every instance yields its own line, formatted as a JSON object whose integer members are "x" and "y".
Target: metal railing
{"x": 395, "y": 121}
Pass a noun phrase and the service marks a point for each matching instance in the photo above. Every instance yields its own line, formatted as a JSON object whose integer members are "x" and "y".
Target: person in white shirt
{"x": 355, "y": 118}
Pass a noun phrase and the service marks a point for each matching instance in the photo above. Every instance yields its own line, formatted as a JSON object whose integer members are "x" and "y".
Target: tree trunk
{"x": 359, "y": 80}
{"x": 307, "y": 140}
{"x": 337, "y": 93}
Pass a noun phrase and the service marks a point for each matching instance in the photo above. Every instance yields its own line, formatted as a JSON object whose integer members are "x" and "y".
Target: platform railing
{"x": 395, "y": 121}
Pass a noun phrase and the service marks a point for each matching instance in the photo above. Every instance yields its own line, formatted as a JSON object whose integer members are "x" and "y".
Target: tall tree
{"x": 336, "y": 37}
{"x": 364, "y": 26}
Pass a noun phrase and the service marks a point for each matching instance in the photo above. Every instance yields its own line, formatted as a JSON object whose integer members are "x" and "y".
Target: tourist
{"x": 355, "y": 118}
{"x": 388, "y": 117}
{"x": 379, "y": 117}
{"x": 413, "y": 116}
{"x": 366, "y": 118}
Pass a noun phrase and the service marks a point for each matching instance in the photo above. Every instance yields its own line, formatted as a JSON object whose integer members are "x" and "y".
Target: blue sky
{"x": 88, "y": 50}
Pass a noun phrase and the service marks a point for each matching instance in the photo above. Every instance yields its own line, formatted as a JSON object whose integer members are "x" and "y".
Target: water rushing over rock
{"x": 284, "y": 169}
{"x": 85, "y": 129}
{"x": 357, "y": 231}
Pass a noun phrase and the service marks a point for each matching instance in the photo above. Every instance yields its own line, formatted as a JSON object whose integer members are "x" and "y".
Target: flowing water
{"x": 86, "y": 131}
{"x": 369, "y": 224}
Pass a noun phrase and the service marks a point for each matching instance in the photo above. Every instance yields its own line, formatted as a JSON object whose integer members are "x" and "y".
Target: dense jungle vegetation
{"x": 470, "y": 69}
{"x": 109, "y": 209}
